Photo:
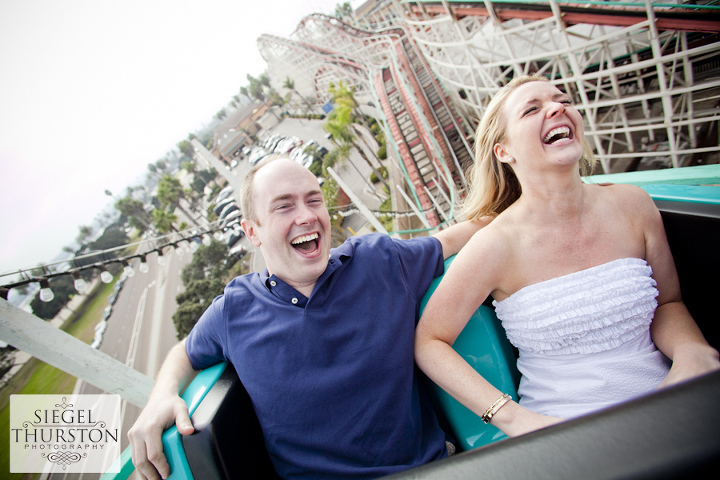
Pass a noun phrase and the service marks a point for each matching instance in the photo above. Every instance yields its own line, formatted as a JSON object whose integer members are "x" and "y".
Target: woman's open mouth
{"x": 557, "y": 135}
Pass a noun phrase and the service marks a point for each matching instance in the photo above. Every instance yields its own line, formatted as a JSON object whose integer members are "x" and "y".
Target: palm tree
{"x": 170, "y": 192}
{"x": 343, "y": 138}
{"x": 289, "y": 84}
{"x": 274, "y": 98}
{"x": 84, "y": 235}
{"x": 190, "y": 167}
{"x": 341, "y": 118}
{"x": 345, "y": 94}
{"x": 255, "y": 88}
{"x": 264, "y": 79}
{"x": 163, "y": 220}
{"x": 135, "y": 211}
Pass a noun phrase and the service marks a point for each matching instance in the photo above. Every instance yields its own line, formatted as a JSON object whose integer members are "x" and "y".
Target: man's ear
{"x": 251, "y": 232}
{"x": 502, "y": 154}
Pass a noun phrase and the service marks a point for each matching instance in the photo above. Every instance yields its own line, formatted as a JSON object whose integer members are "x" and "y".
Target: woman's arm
{"x": 673, "y": 329}
{"x": 468, "y": 281}
{"x": 454, "y": 238}
{"x": 164, "y": 408}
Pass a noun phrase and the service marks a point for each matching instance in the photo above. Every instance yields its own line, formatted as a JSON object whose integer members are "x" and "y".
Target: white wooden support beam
{"x": 53, "y": 346}
{"x": 435, "y": 202}
{"x": 358, "y": 203}
{"x": 411, "y": 204}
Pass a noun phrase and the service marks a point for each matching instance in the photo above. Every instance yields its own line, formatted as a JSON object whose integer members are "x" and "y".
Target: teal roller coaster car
{"x": 671, "y": 433}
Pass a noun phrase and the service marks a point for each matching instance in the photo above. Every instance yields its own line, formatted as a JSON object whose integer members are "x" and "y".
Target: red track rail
{"x": 666, "y": 19}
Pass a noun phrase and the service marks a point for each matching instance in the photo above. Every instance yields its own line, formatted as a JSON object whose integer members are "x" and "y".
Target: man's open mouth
{"x": 557, "y": 135}
{"x": 306, "y": 243}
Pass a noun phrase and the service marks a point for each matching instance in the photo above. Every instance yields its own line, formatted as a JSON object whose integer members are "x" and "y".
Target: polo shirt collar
{"x": 286, "y": 293}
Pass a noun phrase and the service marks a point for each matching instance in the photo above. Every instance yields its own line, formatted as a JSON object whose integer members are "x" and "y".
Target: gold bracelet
{"x": 499, "y": 403}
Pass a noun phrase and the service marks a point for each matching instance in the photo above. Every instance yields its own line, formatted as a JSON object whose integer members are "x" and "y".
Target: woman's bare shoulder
{"x": 620, "y": 190}
{"x": 491, "y": 245}
{"x": 630, "y": 198}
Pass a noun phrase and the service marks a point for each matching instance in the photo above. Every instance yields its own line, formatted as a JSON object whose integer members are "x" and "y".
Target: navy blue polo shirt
{"x": 332, "y": 377}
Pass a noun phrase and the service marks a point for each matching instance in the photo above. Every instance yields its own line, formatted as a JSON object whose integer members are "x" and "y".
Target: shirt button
{"x": 273, "y": 283}
{"x": 294, "y": 301}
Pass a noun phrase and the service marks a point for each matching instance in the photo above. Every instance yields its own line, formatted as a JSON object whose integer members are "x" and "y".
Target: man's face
{"x": 293, "y": 224}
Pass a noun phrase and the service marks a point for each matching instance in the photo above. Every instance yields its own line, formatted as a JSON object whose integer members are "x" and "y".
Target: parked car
{"x": 220, "y": 206}
{"x": 279, "y": 146}
{"x": 231, "y": 207}
{"x": 235, "y": 237}
{"x": 238, "y": 252}
{"x": 288, "y": 145}
{"x": 107, "y": 312}
{"x": 101, "y": 327}
{"x": 234, "y": 225}
{"x": 307, "y": 161}
{"x": 294, "y": 152}
{"x": 271, "y": 146}
{"x": 274, "y": 138}
{"x": 224, "y": 193}
{"x": 257, "y": 155}
{"x": 231, "y": 218}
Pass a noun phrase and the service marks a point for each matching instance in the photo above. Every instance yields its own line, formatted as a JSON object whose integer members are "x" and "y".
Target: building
{"x": 236, "y": 130}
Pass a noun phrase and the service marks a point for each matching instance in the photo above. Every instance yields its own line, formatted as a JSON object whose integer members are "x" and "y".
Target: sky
{"x": 91, "y": 91}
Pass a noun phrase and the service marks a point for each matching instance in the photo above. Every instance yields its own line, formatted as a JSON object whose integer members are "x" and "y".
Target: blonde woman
{"x": 581, "y": 275}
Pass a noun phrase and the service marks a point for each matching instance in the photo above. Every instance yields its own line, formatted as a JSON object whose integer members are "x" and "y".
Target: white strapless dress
{"x": 584, "y": 338}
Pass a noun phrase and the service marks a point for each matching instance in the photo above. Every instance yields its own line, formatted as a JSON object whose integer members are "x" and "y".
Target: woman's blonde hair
{"x": 493, "y": 186}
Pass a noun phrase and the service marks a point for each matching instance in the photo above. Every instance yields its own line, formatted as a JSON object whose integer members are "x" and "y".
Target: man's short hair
{"x": 247, "y": 202}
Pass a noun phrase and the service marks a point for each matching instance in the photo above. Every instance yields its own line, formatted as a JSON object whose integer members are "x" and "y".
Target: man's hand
{"x": 164, "y": 408}
{"x": 145, "y": 435}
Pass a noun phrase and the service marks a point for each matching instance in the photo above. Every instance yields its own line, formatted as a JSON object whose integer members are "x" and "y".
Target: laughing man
{"x": 322, "y": 340}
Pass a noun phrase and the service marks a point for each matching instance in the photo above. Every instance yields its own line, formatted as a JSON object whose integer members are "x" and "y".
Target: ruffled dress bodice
{"x": 584, "y": 338}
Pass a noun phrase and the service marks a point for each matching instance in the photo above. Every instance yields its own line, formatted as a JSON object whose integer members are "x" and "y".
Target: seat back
{"x": 227, "y": 442}
{"x": 693, "y": 232}
{"x": 483, "y": 344}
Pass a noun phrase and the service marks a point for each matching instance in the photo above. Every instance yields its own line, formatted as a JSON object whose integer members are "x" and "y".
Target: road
{"x": 140, "y": 331}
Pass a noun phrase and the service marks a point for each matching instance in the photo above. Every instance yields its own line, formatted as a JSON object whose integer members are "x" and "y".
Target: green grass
{"x": 81, "y": 323}
{"x": 39, "y": 378}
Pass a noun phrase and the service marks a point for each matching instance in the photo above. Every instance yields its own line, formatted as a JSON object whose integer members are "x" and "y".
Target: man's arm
{"x": 164, "y": 407}
{"x": 455, "y": 237}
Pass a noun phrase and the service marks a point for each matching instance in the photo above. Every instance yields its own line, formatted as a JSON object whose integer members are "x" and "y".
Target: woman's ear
{"x": 502, "y": 154}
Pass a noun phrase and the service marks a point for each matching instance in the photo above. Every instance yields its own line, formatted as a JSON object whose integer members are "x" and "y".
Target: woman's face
{"x": 542, "y": 128}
